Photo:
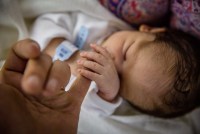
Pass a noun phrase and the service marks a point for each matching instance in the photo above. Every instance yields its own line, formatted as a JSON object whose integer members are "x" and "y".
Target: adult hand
{"x": 32, "y": 95}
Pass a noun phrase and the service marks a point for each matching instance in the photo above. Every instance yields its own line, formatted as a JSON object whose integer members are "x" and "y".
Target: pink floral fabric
{"x": 137, "y": 12}
{"x": 186, "y": 16}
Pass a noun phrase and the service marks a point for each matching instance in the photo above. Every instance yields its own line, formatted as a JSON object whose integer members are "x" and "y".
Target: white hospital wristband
{"x": 64, "y": 51}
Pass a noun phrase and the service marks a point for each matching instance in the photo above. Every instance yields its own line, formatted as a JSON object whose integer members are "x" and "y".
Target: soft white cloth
{"x": 13, "y": 13}
{"x": 124, "y": 120}
{"x": 69, "y": 26}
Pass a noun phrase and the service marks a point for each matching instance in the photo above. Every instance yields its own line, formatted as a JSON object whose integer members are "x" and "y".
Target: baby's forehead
{"x": 159, "y": 51}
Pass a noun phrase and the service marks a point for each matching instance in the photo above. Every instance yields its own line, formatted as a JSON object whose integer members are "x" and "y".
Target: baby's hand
{"x": 99, "y": 67}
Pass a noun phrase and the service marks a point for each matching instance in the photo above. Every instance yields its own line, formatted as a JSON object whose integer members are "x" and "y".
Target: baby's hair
{"x": 184, "y": 96}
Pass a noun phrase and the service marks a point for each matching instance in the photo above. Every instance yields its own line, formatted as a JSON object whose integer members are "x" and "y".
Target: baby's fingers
{"x": 94, "y": 56}
{"x": 89, "y": 74}
{"x": 91, "y": 65}
{"x": 101, "y": 50}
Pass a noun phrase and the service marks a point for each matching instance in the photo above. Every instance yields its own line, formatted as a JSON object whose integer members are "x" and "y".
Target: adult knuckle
{"x": 47, "y": 58}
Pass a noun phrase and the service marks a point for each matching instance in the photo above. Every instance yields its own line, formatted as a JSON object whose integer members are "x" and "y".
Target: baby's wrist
{"x": 107, "y": 97}
{"x": 72, "y": 62}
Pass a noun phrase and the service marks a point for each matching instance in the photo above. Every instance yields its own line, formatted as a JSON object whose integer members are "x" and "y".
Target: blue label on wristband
{"x": 62, "y": 53}
{"x": 81, "y": 37}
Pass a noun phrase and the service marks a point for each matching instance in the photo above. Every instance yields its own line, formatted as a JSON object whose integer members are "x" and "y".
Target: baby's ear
{"x": 146, "y": 28}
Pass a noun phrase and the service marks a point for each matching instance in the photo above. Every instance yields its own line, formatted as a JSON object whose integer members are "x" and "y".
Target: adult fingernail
{"x": 34, "y": 49}
{"x": 32, "y": 84}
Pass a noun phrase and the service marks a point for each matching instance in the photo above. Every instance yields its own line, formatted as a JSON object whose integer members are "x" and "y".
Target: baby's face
{"x": 143, "y": 77}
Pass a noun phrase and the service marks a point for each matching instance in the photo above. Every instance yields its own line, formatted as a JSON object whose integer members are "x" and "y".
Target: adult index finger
{"x": 20, "y": 53}
{"x": 35, "y": 74}
{"x": 79, "y": 89}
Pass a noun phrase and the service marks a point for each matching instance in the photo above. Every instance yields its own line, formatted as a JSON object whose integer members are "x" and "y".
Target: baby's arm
{"x": 51, "y": 29}
{"x": 51, "y": 50}
{"x": 99, "y": 67}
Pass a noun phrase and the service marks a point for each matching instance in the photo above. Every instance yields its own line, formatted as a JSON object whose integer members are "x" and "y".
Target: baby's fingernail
{"x": 52, "y": 85}
{"x": 78, "y": 61}
{"x": 82, "y": 53}
{"x": 92, "y": 45}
